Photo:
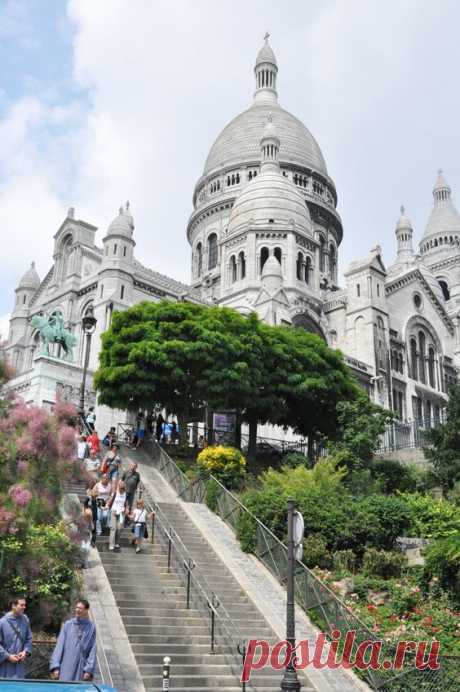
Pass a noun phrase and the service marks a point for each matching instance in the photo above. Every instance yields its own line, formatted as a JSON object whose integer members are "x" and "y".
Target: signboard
{"x": 297, "y": 534}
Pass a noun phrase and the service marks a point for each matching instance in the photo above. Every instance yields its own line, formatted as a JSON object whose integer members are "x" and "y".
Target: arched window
{"x": 299, "y": 266}
{"x": 242, "y": 264}
{"x": 277, "y": 254}
{"x": 263, "y": 257}
{"x": 66, "y": 252}
{"x": 307, "y": 269}
{"x": 322, "y": 254}
{"x": 413, "y": 358}
{"x": 232, "y": 269}
{"x": 422, "y": 349}
{"x": 332, "y": 261}
{"x": 431, "y": 377}
{"x": 212, "y": 251}
{"x": 444, "y": 289}
{"x": 199, "y": 259}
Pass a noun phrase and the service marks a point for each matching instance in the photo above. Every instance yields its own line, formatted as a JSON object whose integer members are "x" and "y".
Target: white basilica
{"x": 265, "y": 236}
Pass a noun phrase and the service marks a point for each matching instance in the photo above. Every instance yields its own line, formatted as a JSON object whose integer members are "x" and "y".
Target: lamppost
{"x": 290, "y": 681}
{"x": 88, "y": 325}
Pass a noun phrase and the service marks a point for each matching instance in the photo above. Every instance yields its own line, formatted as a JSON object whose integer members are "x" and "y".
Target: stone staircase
{"x": 242, "y": 611}
{"x": 152, "y": 604}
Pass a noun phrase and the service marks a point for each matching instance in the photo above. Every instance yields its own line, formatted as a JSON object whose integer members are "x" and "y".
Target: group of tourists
{"x": 111, "y": 503}
{"x": 74, "y": 656}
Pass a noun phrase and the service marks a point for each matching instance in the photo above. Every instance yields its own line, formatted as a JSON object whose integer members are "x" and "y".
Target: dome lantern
{"x": 269, "y": 146}
{"x": 30, "y": 281}
{"x": 441, "y": 191}
{"x": 404, "y": 234}
{"x": 265, "y": 71}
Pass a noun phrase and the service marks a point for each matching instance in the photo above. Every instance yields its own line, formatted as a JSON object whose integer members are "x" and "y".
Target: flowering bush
{"x": 36, "y": 457}
{"x": 225, "y": 463}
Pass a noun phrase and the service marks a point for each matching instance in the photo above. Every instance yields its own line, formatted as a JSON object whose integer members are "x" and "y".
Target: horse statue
{"x": 52, "y": 331}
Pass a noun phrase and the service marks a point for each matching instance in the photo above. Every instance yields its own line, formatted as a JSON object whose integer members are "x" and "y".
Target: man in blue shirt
{"x": 15, "y": 640}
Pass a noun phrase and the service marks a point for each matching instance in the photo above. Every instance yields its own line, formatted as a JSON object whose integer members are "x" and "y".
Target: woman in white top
{"x": 139, "y": 518}
{"x": 104, "y": 490}
{"x": 117, "y": 505}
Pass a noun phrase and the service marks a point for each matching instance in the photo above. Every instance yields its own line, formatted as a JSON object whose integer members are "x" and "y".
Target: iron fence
{"x": 37, "y": 665}
{"x": 324, "y": 608}
{"x": 407, "y": 434}
{"x": 222, "y": 629}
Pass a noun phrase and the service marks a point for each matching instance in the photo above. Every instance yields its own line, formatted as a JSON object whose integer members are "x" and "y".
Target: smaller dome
{"x": 270, "y": 198}
{"x": 272, "y": 275}
{"x": 266, "y": 53}
{"x": 404, "y": 223}
{"x": 30, "y": 280}
{"x": 272, "y": 268}
{"x": 123, "y": 224}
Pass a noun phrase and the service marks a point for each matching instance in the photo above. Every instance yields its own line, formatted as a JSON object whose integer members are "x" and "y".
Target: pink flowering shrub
{"x": 20, "y": 496}
{"x": 37, "y": 451}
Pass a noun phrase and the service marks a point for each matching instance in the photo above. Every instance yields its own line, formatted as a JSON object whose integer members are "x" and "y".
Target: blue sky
{"x": 106, "y": 101}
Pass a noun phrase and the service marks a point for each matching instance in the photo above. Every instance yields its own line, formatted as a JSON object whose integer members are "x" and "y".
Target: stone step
{"x": 197, "y": 682}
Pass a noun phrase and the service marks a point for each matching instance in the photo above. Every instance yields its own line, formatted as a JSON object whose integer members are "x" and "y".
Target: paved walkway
{"x": 114, "y": 650}
{"x": 263, "y": 589}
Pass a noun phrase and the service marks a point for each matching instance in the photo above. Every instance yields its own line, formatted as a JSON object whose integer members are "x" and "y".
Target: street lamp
{"x": 88, "y": 325}
{"x": 290, "y": 681}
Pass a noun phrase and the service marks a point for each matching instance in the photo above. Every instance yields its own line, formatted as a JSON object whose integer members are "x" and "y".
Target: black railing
{"x": 407, "y": 434}
{"x": 314, "y": 596}
{"x": 222, "y": 629}
{"x": 38, "y": 664}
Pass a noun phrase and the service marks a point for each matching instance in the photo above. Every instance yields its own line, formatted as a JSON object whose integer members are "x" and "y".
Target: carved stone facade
{"x": 265, "y": 236}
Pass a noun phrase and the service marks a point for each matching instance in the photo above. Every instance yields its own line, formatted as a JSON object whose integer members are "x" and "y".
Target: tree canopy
{"x": 183, "y": 357}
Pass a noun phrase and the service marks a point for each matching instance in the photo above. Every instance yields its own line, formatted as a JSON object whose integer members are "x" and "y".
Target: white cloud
{"x": 375, "y": 83}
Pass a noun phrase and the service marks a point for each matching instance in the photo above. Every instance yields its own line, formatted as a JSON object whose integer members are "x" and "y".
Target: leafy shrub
{"x": 294, "y": 459}
{"x": 211, "y": 494}
{"x": 363, "y": 584}
{"x": 383, "y": 563}
{"x": 454, "y": 495}
{"x": 431, "y": 518}
{"x": 443, "y": 563}
{"x": 393, "y": 476}
{"x": 377, "y": 521}
{"x": 344, "y": 561}
{"x": 404, "y": 598}
{"x": 315, "y": 552}
{"x": 225, "y": 463}
{"x": 246, "y": 529}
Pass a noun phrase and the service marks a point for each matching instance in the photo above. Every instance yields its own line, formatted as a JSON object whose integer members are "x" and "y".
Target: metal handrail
{"x": 196, "y": 578}
{"x": 321, "y": 597}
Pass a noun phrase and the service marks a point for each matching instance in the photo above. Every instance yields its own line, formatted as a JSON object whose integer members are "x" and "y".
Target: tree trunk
{"x": 252, "y": 444}
{"x": 238, "y": 431}
{"x": 311, "y": 451}
{"x": 208, "y": 424}
{"x": 183, "y": 429}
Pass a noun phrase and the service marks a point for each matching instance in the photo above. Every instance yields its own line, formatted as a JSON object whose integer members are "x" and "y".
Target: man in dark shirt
{"x": 132, "y": 478}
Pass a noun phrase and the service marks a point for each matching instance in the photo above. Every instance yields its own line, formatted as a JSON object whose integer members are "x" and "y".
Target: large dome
{"x": 239, "y": 142}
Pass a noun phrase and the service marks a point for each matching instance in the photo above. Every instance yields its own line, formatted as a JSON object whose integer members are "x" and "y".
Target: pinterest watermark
{"x": 335, "y": 652}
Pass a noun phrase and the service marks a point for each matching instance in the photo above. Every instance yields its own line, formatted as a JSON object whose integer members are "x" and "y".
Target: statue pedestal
{"x": 50, "y": 377}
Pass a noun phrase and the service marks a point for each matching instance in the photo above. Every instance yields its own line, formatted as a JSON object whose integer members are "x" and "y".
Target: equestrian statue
{"x": 52, "y": 331}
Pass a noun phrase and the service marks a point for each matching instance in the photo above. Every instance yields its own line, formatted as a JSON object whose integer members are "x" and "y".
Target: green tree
{"x": 303, "y": 382}
{"x": 355, "y": 439}
{"x": 185, "y": 357}
{"x": 181, "y": 356}
{"x": 443, "y": 449}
